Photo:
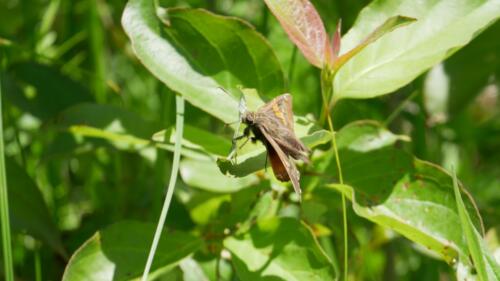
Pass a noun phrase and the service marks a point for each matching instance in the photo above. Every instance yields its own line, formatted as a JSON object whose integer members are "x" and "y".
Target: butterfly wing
{"x": 281, "y": 108}
{"x": 277, "y": 117}
{"x": 286, "y": 163}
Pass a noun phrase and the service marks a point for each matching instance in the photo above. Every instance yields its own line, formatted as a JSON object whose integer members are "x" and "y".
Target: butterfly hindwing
{"x": 291, "y": 170}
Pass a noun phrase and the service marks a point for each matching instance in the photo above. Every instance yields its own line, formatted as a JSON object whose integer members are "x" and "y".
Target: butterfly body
{"x": 272, "y": 124}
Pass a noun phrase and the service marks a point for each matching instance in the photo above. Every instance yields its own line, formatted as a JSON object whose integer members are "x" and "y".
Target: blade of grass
{"x": 179, "y": 125}
{"x": 97, "y": 51}
{"x": 38, "y": 264}
{"x": 471, "y": 234}
{"x": 4, "y": 202}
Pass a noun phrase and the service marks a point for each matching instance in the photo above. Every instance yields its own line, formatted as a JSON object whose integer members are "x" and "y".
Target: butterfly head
{"x": 248, "y": 118}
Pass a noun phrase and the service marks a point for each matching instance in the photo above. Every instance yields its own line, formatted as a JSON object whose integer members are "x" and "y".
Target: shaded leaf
{"x": 471, "y": 68}
{"x": 119, "y": 252}
{"x": 107, "y": 117}
{"x": 28, "y": 210}
{"x": 279, "y": 249}
{"x": 51, "y": 91}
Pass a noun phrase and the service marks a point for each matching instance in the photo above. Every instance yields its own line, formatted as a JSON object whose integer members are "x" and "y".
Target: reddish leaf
{"x": 332, "y": 53}
{"x": 303, "y": 25}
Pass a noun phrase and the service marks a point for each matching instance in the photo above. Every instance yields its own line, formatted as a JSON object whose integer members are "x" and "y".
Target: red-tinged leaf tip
{"x": 332, "y": 53}
{"x": 336, "y": 39}
{"x": 304, "y": 26}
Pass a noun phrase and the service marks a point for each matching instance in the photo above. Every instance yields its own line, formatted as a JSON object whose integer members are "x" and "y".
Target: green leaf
{"x": 201, "y": 52}
{"x": 28, "y": 211}
{"x": 119, "y": 253}
{"x": 485, "y": 266}
{"x": 279, "y": 249}
{"x": 206, "y": 175}
{"x": 391, "y": 188}
{"x": 304, "y": 27}
{"x": 397, "y": 58}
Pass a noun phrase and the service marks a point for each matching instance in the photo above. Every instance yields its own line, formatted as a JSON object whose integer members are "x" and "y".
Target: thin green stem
{"x": 4, "y": 200}
{"x": 179, "y": 127}
{"x": 327, "y": 77}
{"x": 400, "y": 107}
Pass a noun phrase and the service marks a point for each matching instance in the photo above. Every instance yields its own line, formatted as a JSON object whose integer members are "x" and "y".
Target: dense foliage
{"x": 398, "y": 102}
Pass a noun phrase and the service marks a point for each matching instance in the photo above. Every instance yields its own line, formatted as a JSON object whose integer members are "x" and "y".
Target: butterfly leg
{"x": 234, "y": 149}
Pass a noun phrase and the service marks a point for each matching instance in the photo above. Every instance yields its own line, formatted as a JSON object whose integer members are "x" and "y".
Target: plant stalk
{"x": 327, "y": 78}
{"x": 4, "y": 200}
{"x": 179, "y": 127}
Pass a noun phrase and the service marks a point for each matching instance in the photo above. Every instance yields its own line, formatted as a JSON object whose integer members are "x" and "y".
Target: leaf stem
{"x": 327, "y": 77}
{"x": 400, "y": 108}
{"x": 4, "y": 200}
{"x": 179, "y": 126}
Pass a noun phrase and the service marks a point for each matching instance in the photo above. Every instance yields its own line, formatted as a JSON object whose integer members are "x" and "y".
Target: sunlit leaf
{"x": 389, "y": 25}
{"x": 281, "y": 249}
{"x": 391, "y": 188}
{"x": 200, "y": 53}
{"x": 206, "y": 175}
{"x": 400, "y": 56}
{"x": 119, "y": 252}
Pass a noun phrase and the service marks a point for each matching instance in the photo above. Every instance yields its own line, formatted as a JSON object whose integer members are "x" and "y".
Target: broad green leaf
{"x": 119, "y": 252}
{"x": 45, "y": 90}
{"x": 392, "y": 189}
{"x": 304, "y": 27}
{"x": 279, "y": 249}
{"x": 206, "y": 175}
{"x": 486, "y": 267}
{"x": 28, "y": 211}
{"x": 252, "y": 157}
{"x": 397, "y": 58}
{"x": 201, "y": 52}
